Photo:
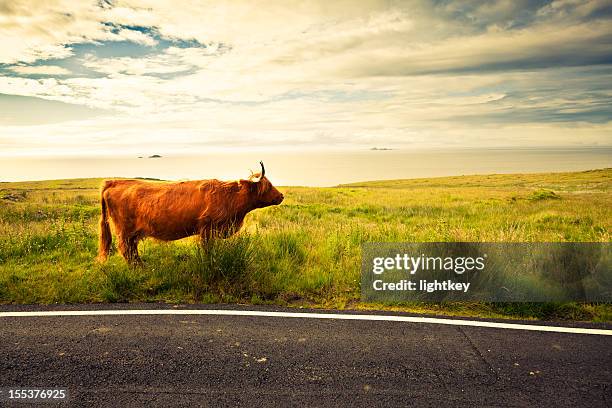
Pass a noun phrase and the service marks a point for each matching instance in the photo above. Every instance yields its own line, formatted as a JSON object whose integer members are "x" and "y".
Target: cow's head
{"x": 263, "y": 193}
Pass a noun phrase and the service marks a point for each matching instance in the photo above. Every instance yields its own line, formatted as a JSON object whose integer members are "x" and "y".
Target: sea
{"x": 312, "y": 168}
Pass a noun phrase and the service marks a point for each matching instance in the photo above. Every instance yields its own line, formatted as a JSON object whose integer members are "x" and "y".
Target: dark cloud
{"x": 596, "y": 114}
{"x": 478, "y": 16}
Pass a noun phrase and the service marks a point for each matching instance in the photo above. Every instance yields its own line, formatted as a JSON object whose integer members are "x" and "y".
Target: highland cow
{"x": 171, "y": 211}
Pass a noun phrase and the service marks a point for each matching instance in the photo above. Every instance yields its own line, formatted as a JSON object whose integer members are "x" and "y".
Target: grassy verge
{"x": 305, "y": 252}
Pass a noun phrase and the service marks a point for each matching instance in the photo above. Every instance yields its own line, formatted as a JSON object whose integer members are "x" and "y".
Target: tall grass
{"x": 305, "y": 251}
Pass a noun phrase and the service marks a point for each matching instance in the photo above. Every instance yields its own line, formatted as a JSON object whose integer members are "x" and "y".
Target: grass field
{"x": 304, "y": 252}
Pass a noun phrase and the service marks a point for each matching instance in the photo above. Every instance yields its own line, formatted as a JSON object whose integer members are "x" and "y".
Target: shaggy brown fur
{"x": 170, "y": 211}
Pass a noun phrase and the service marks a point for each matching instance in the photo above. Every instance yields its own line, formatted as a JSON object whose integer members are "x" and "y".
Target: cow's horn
{"x": 263, "y": 170}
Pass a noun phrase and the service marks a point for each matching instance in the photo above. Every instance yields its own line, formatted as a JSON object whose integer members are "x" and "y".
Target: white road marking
{"x": 305, "y": 315}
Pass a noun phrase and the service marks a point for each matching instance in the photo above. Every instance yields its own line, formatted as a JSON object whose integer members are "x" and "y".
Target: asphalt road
{"x": 271, "y": 361}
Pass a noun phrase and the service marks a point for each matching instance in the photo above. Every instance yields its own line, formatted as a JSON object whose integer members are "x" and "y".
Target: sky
{"x": 184, "y": 76}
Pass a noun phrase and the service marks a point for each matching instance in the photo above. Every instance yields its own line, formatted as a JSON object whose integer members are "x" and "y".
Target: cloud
{"x": 136, "y": 36}
{"x": 40, "y": 30}
{"x": 24, "y": 110}
{"x": 170, "y": 61}
{"x": 538, "y": 47}
{"x": 194, "y": 74}
{"x": 48, "y": 70}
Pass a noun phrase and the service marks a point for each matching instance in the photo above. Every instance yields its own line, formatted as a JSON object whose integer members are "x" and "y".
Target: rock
{"x": 11, "y": 197}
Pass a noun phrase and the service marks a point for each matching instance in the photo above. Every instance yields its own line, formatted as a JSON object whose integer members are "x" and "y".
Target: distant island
{"x": 155, "y": 156}
{"x": 381, "y": 148}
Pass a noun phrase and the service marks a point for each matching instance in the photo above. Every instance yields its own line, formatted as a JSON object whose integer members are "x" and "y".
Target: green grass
{"x": 305, "y": 252}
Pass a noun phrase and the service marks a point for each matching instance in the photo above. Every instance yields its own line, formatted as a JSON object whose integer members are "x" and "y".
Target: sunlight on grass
{"x": 304, "y": 252}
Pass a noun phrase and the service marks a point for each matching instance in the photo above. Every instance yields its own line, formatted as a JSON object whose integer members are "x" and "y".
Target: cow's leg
{"x": 133, "y": 250}
{"x": 124, "y": 247}
{"x": 128, "y": 247}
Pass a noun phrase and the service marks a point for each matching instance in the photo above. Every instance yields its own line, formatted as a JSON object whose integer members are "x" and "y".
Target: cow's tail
{"x": 106, "y": 239}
